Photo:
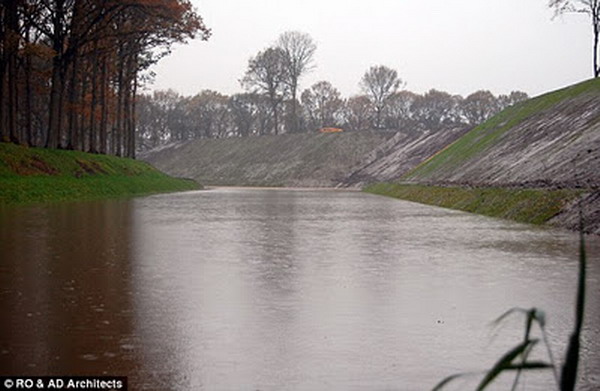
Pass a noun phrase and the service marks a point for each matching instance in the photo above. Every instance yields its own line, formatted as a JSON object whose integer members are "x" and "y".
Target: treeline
{"x": 273, "y": 104}
{"x": 166, "y": 116}
{"x": 70, "y": 69}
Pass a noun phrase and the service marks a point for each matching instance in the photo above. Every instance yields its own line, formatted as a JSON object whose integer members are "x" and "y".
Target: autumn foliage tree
{"x": 70, "y": 69}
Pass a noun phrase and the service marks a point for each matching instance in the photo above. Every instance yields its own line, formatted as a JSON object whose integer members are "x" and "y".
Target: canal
{"x": 265, "y": 289}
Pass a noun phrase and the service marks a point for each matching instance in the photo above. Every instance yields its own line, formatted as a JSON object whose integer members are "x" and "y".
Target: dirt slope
{"x": 315, "y": 160}
{"x": 549, "y": 141}
{"x": 399, "y": 155}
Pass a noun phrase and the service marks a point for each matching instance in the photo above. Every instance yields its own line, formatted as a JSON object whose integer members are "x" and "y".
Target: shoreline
{"x": 538, "y": 206}
{"x": 31, "y": 176}
{"x": 285, "y": 188}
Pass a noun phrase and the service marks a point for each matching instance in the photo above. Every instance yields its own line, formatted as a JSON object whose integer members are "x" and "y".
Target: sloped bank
{"x": 292, "y": 160}
{"x": 35, "y": 175}
{"x": 532, "y": 163}
{"x": 552, "y": 140}
{"x": 558, "y": 207}
{"x": 400, "y": 154}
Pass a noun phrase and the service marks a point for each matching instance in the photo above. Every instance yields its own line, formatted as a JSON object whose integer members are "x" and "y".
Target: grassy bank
{"x": 535, "y": 206}
{"x": 34, "y": 175}
{"x": 475, "y": 145}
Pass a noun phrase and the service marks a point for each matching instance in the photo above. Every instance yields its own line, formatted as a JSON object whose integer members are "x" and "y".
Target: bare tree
{"x": 505, "y": 101}
{"x": 479, "y": 106}
{"x": 358, "y": 113}
{"x": 398, "y": 113}
{"x": 590, "y": 7}
{"x": 299, "y": 49}
{"x": 9, "y": 54}
{"x": 209, "y": 115}
{"x": 244, "y": 112}
{"x": 163, "y": 117}
{"x": 379, "y": 83}
{"x": 323, "y": 104}
{"x": 436, "y": 109}
{"x": 267, "y": 74}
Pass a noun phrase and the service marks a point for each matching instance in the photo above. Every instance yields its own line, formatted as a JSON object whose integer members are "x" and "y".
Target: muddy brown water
{"x": 264, "y": 289}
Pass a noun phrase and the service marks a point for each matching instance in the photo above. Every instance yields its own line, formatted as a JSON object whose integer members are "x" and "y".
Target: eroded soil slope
{"x": 314, "y": 160}
{"x": 549, "y": 141}
{"x": 400, "y": 154}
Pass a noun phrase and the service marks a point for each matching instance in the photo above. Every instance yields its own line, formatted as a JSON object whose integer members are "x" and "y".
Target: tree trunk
{"x": 275, "y": 119}
{"x": 274, "y": 104}
{"x": 73, "y": 139}
{"x": 596, "y": 37}
{"x": 94, "y": 103}
{"x": 128, "y": 104}
{"x": 117, "y": 129}
{"x": 3, "y": 136}
{"x": 13, "y": 100}
{"x": 54, "y": 139}
{"x": 125, "y": 119}
{"x": 11, "y": 49}
{"x": 104, "y": 113}
{"x": 81, "y": 126}
{"x": 294, "y": 114}
{"x": 133, "y": 119}
{"x": 29, "y": 139}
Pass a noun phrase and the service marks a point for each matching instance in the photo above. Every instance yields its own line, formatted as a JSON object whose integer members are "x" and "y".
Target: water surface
{"x": 256, "y": 289}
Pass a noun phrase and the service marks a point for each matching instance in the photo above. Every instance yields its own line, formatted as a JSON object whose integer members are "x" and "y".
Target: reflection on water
{"x": 235, "y": 289}
{"x": 65, "y": 289}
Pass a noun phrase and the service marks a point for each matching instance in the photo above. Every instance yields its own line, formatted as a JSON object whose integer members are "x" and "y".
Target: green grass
{"x": 535, "y": 206}
{"x": 478, "y": 140}
{"x": 35, "y": 175}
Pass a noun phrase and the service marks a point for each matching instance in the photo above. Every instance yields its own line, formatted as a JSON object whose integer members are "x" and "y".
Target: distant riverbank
{"x": 287, "y": 160}
{"x": 280, "y": 188}
{"x": 34, "y": 175}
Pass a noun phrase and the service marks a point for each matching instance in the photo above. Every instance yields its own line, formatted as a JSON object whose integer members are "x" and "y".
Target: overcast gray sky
{"x": 459, "y": 46}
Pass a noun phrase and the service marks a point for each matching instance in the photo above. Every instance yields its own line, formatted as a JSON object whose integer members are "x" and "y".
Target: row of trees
{"x": 70, "y": 69}
{"x": 272, "y": 104}
{"x": 166, "y": 116}
{"x": 272, "y": 81}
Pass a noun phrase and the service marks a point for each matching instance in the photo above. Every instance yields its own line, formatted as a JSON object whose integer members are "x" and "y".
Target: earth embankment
{"x": 37, "y": 175}
{"x": 294, "y": 160}
{"x": 549, "y": 143}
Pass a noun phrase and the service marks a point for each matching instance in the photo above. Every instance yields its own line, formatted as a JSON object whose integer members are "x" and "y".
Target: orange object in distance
{"x": 330, "y": 130}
